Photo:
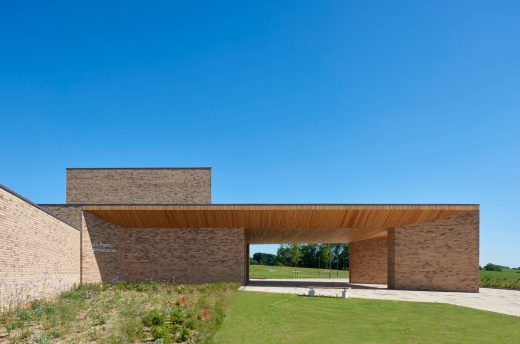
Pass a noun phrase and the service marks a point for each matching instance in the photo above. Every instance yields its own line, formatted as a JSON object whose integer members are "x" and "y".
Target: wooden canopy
{"x": 276, "y": 224}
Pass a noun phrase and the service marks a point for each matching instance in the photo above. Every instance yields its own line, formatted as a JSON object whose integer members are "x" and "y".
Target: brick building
{"x": 141, "y": 224}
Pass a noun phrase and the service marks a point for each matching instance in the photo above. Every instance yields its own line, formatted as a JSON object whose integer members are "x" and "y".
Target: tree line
{"x": 326, "y": 256}
{"x": 496, "y": 267}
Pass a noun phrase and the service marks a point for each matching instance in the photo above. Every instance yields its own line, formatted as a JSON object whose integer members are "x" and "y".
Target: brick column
{"x": 368, "y": 261}
{"x": 440, "y": 255}
{"x": 246, "y": 263}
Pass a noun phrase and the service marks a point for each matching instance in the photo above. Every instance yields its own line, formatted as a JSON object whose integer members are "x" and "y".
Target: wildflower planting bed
{"x": 121, "y": 313}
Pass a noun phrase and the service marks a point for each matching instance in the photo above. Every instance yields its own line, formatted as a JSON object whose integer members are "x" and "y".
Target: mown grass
{"x": 265, "y": 318}
{"x": 266, "y": 271}
{"x": 500, "y": 279}
{"x": 121, "y": 313}
{"x": 491, "y": 279}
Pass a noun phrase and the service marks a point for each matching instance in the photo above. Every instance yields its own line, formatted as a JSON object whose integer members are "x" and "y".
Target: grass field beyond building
{"x": 268, "y": 271}
{"x": 500, "y": 279}
{"x": 509, "y": 279}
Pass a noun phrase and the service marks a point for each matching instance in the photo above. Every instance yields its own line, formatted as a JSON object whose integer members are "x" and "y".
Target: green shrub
{"x": 24, "y": 315}
{"x": 153, "y": 317}
{"x": 93, "y": 287}
{"x": 190, "y": 322}
{"x": 54, "y": 334}
{"x": 100, "y": 318}
{"x": 113, "y": 339}
{"x": 13, "y": 326}
{"x": 162, "y": 332}
{"x": 41, "y": 339}
{"x": 140, "y": 287}
{"x": 177, "y": 316}
{"x": 133, "y": 330}
{"x": 184, "y": 334}
{"x": 41, "y": 309}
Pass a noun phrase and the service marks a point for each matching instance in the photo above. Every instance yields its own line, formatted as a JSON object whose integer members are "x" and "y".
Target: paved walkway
{"x": 494, "y": 300}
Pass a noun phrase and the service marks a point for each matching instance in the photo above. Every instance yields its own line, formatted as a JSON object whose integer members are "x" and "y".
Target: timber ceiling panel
{"x": 266, "y": 224}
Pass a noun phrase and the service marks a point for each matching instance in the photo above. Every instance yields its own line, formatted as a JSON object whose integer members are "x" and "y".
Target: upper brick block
{"x": 139, "y": 186}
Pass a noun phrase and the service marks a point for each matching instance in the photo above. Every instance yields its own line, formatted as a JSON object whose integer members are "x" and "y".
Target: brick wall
{"x": 39, "y": 254}
{"x": 131, "y": 186}
{"x": 68, "y": 213}
{"x": 112, "y": 253}
{"x": 368, "y": 261}
{"x": 436, "y": 255}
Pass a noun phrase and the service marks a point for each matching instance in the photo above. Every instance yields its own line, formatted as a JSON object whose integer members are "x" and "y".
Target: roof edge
{"x": 3, "y": 187}
{"x": 138, "y": 168}
{"x": 329, "y": 206}
{"x": 58, "y": 205}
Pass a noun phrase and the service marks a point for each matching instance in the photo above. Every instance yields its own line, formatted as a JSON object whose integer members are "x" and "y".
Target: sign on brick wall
{"x": 103, "y": 247}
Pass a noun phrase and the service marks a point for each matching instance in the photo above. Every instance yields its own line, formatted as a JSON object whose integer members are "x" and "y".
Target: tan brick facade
{"x": 111, "y": 253}
{"x": 139, "y": 186}
{"x": 39, "y": 254}
{"x": 70, "y": 214}
{"x": 439, "y": 255}
{"x": 368, "y": 261}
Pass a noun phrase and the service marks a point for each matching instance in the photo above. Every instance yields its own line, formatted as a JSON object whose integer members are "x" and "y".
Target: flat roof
{"x": 138, "y": 168}
{"x": 445, "y": 206}
{"x": 281, "y": 223}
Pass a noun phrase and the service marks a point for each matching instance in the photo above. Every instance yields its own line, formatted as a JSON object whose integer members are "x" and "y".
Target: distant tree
{"x": 265, "y": 258}
{"x": 284, "y": 255}
{"x": 309, "y": 255}
{"x": 340, "y": 260}
{"x": 495, "y": 267}
{"x": 295, "y": 256}
{"x": 319, "y": 254}
{"x": 327, "y": 256}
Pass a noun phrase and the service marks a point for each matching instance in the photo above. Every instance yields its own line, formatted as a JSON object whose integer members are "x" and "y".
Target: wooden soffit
{"x": 280, "y": 223}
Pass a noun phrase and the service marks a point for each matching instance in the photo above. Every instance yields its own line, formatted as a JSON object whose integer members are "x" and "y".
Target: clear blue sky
{"x": 289, "y": 102}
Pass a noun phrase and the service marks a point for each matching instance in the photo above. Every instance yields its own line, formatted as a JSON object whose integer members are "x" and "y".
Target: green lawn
{"x": 491, "y": 279}
{"x": 500, "y": 279}
{"x": 265, "y": 271}
{"x": 271, "y": 318}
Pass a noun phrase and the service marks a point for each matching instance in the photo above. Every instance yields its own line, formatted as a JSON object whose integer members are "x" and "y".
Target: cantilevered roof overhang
{"x": 282, "y": 223}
